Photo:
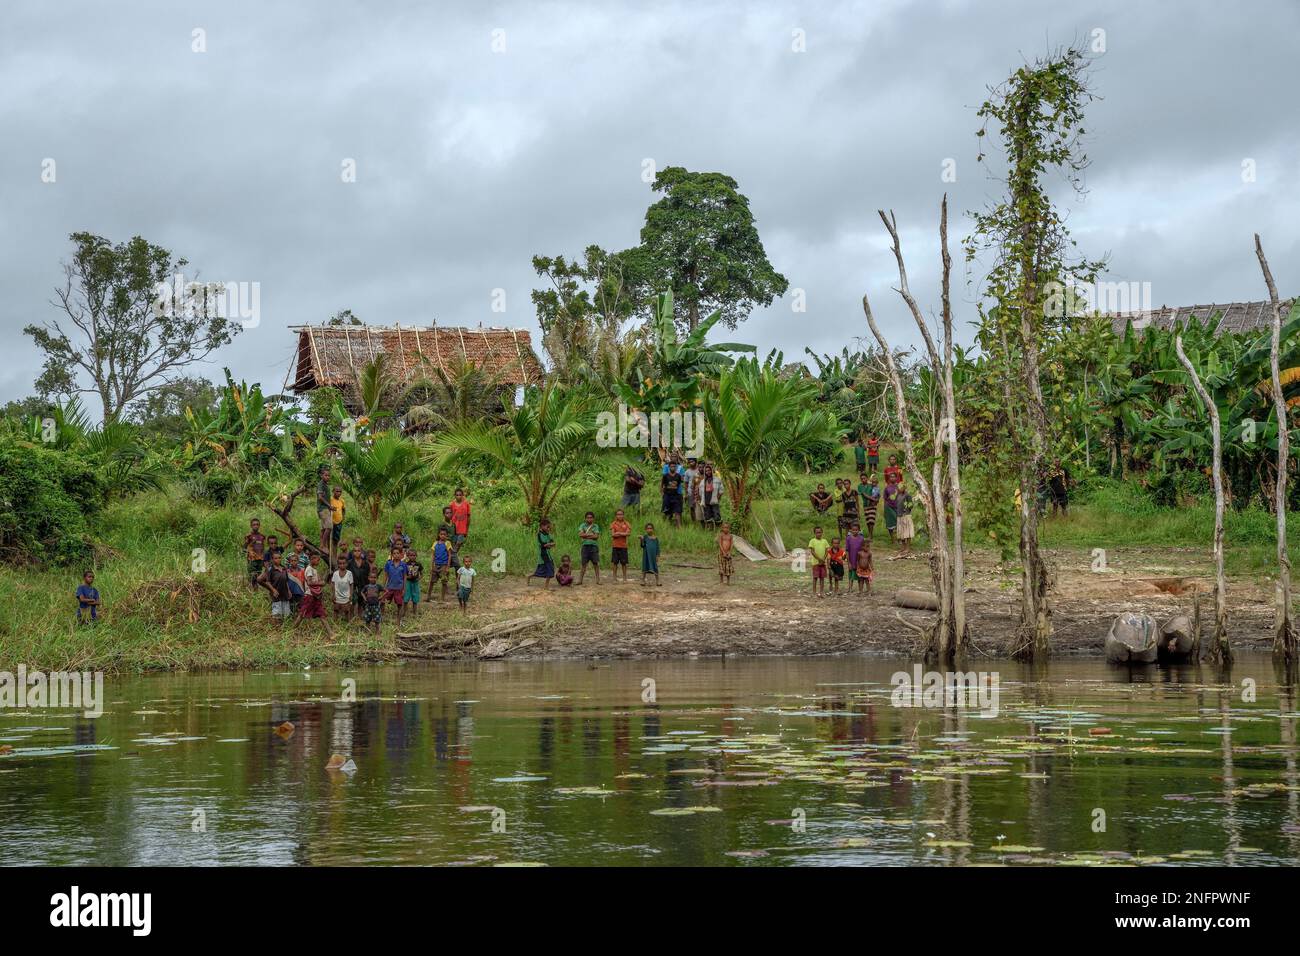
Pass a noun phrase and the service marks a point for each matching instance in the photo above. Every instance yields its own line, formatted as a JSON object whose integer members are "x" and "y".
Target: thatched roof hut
{"x": 1237, "y": 316}
{"x": 333, "y": 355}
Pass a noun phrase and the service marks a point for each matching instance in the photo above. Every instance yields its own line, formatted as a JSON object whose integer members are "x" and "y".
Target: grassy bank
{"x": 159, "y": 613}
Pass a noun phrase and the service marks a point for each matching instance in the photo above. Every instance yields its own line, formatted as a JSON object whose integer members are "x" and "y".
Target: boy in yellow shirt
{"x": 338, "y": 509}
{"x": 819, "y": 547}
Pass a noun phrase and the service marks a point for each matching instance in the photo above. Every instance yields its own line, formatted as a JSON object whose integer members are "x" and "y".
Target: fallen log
{"x": 916, "y": 600}
{"x": 435, "y": 639}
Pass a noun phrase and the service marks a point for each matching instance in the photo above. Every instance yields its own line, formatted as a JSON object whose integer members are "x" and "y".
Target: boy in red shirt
{"x": 619, "y": 529}
{"x": 459, "y": 518}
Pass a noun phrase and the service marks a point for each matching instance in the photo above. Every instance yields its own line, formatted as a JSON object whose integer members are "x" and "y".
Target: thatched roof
{"x": 334, "y": 354}
{"x": 1237, "y": 316}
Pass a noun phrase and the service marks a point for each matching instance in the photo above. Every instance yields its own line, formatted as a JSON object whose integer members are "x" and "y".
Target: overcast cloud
{"x": 470, "y": 161}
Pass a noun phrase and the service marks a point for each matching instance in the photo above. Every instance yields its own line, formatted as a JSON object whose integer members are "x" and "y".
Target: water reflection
{"x": 567, "y": 764}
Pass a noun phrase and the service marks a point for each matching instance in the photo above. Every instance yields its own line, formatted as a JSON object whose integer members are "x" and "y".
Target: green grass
{"x": 158, "y": 537}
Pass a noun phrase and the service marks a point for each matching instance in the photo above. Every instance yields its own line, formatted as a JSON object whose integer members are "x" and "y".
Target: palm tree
{"x": 541, "y": 446}
{"x": 385, "y": 470}
{"x": 462, "y": 393}
{"x": 757, "y": 423}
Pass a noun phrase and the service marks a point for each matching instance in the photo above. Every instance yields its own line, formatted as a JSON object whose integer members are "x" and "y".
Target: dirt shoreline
{"x": 769, "y": 610}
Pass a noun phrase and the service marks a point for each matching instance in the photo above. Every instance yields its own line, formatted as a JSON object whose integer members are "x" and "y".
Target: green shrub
{"x": 46, "y": 499}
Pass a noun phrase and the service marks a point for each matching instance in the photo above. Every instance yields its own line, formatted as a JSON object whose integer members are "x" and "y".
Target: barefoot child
{"x": 342, "y": 581}
{"x": 442, "y": 561}
{"x": 275, "y": 579}
{"x": 906, "y": 527}
{"x": 413, "y": 571}
{"x": 564, "y": 573}
{"x": 589, "y": 535}
{"x": 649, "y": 555}
{"x": 464, "y": 581}
{"x": 312, "y": 606}
{"x": 864, "y": 568}
{"x": 619, "y": 530}
{"x": 338, "y": 510}
{"x": 372, "y": 613}
{"x": 853, "y": 542}
{"x": 725, "y": 547}
{"x": 395, "y": 580}
{"x": 546, "y": 563}
{"x": 818, "y": 547}
{"x": 835, "y": 561}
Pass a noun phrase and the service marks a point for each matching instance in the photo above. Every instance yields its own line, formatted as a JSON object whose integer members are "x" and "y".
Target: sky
{"x": 484, "y": 133}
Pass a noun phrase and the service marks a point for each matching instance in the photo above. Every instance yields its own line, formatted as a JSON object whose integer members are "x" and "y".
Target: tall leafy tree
{"x": 116, "y": 330}
{"x": 700, "y": 241}
{"x": 583, "y": 310}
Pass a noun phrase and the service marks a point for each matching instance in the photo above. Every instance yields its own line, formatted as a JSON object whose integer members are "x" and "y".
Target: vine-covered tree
{"x": 1038, "y": 115}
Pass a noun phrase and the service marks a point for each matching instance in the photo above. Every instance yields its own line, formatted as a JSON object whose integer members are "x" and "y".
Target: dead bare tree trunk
{"x": 950, "y": 435}
{"x": 947, "y": 565}
{"x": 1219, "y": 650}
{"x": 941, "y": 643}
{"x": 932, "y": 519}
{"x": 1284, "y": 632}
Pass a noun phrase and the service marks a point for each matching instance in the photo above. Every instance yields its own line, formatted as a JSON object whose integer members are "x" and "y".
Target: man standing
{"x": 325, "y": 512}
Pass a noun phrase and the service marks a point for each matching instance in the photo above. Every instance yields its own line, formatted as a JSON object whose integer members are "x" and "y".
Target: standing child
{"x": 88, "y": 597}
{"x": 818, "y": 548}
{"x": 312, "y": 606}
{"x": 619, "y": 530}
{"x": 275, "y": 579}
{"x": 546, "y": 563}
{"x": 395, "y": 581}
{"x": 864, "y": 568}
{"x": 297, "y": 585}
{"x": 906, "y": 527}
{"x": 649, "y": 555}
{"x": 564, "y": 573}
{"x": 372, "y": 613}
{"x": 873, "y": 453}
{"x": 413, "y": 571}
{"x": 442, "y": 561}
{"x": 853, "y": 542}
{"x": 254, "y": 551}
{"x": 725, "y": 547}
{"x": 360, "y": 569}
{"x": 589, "y": 535}
{"x": 342, "y": 581}
{"x": 338, "y": 510}
{"x": 835, "y": 561}
{"x": 299, "y": 556}
{"x": 449, "y": 525}
{"x": 460, "y": 508}
{"x": 464, "y": 582}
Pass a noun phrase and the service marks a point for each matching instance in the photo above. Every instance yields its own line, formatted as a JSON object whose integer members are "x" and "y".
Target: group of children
{"x": 299, "y": 581}
{"x": 589, "y": 535}
{"x": 862, "y": 504}
{"x": 830, "y": 559}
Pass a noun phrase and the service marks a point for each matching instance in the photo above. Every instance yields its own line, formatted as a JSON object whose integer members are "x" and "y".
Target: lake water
{"x": 776, "y": 761}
